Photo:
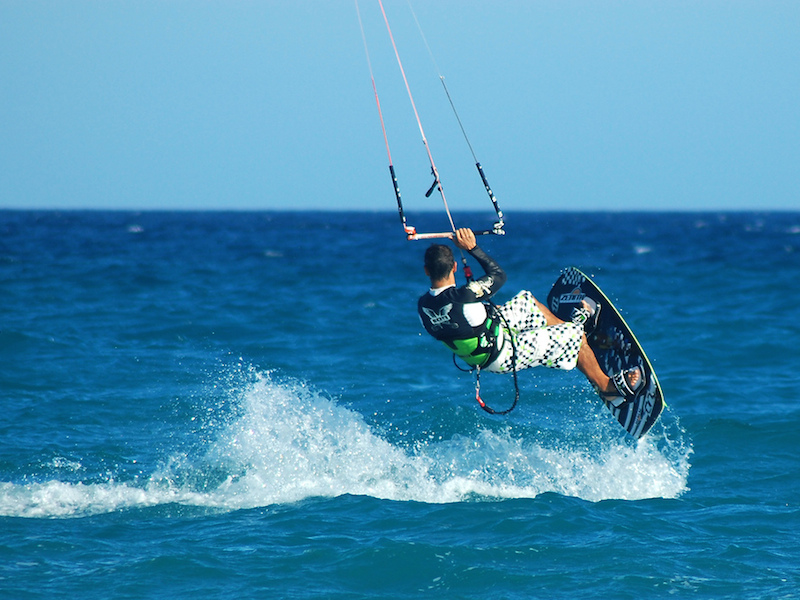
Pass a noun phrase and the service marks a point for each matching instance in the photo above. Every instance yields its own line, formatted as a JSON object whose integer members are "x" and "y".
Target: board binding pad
{"x": 615, "y": 347}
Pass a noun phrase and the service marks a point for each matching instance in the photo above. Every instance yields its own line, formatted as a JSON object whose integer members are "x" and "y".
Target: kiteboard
{"x": 615, "y": 346}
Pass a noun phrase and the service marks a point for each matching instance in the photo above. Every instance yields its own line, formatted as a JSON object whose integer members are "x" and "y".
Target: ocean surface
{"x": 244, "y": 405}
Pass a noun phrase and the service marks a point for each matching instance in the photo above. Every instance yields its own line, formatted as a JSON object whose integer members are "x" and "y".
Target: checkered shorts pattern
{"x": 537, "y": 344}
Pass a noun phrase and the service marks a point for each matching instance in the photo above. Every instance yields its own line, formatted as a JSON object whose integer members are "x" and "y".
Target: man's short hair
{"x": 439, "y": 261}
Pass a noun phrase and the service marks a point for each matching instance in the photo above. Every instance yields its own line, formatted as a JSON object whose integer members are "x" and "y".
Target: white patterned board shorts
{"x": 537, "y": 344}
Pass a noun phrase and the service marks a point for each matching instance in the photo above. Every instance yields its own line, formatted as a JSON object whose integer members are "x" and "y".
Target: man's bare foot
{"x": 623, "y": 386}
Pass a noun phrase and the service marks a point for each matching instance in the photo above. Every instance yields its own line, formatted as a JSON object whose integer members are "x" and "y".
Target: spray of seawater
{"x": 281, "y": 442}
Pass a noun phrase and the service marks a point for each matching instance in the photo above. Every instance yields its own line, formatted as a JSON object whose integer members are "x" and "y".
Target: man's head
{"x": 439, "y": 262}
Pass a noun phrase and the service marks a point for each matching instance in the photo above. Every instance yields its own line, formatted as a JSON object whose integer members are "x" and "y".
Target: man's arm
{"x": 494, "y": 278}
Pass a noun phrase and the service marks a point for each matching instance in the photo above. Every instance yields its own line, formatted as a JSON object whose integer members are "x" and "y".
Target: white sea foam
{"x": 287, "y": 443}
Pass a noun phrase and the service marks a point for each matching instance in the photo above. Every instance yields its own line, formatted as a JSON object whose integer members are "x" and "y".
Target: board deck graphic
{"x": 615, "y": 346}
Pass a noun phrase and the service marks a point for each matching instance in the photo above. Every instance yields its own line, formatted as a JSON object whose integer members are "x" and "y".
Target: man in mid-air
{"x": 519, "y": 334}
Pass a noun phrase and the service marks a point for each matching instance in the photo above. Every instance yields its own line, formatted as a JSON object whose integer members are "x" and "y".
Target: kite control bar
{"x": 412, "y": 234}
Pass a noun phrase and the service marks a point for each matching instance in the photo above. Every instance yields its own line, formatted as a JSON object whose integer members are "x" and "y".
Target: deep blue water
{"x": 243, "y": 405}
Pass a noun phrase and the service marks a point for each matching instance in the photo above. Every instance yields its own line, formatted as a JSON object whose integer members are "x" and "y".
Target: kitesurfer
{"x": 519, "y": 334}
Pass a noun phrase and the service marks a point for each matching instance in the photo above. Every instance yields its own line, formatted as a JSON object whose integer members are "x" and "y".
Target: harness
{"x": 480, "y": 350}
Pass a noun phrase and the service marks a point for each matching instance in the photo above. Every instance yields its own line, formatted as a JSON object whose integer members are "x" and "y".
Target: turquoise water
{"x": 244, "y": 405}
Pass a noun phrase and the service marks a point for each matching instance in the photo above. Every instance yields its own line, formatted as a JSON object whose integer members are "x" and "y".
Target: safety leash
{"x": 496, "y": 312}
{"x": 483, "y": 404}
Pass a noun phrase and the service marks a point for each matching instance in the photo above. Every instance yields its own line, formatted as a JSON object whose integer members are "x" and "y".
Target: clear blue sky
{"x": 580, "y": 105}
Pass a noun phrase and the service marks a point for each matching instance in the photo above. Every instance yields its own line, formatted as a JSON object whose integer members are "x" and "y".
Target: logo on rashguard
{"x": 479, "y": 288}
{"x": 441, "y": 318}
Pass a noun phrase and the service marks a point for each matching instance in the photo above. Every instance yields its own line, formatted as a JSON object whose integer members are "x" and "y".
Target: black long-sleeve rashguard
{"x": 458, "y": 316}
